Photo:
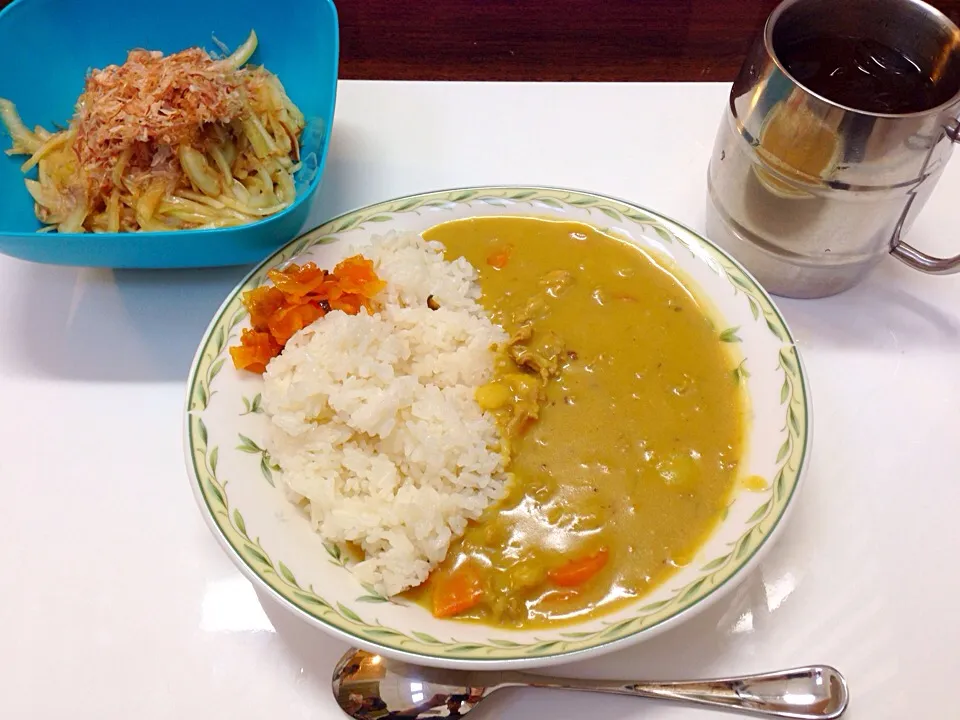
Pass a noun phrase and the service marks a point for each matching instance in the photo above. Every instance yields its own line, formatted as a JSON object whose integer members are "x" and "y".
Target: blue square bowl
{"x": 46, "y": 49}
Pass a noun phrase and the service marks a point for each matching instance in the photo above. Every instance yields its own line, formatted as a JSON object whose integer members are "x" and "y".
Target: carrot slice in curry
{"x": 499, "y": 258}
{"x": 457, "y": 591}
{"x": 556, "y": 598}
{"x": 577, "y": 572}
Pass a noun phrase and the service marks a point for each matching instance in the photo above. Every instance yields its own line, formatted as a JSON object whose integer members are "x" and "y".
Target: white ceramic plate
{"x": 272, "y": 543}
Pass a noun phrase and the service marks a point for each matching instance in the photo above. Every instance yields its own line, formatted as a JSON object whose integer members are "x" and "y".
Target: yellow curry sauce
{"x": 621, "y": 414}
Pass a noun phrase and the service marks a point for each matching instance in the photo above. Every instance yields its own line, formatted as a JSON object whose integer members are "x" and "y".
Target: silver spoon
{"x": 368, "y": 686}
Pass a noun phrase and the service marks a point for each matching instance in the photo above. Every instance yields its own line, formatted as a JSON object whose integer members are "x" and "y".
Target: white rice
{"x": 373, "y": 417}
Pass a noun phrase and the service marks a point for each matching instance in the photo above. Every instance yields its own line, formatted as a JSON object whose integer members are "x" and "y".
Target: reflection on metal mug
{"x": 810, "y": 189}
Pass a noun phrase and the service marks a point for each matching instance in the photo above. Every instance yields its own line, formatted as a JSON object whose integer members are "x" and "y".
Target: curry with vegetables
{"x": 620, "y": 412}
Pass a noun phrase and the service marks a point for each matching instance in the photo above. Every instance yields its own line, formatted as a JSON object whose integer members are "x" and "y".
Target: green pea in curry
{"x": 619, "y": 411}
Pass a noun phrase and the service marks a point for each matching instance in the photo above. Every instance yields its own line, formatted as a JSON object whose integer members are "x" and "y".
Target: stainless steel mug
{"x": 810, "y": 194}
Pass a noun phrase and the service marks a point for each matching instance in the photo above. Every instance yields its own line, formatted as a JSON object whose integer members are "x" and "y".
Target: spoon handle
{"x": 809, "y": 693}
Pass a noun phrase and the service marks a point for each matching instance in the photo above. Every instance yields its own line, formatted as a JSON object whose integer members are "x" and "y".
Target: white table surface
{"x": 117, "y": 602}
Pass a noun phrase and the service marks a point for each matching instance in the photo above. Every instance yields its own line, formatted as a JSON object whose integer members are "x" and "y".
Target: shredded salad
{"x": 165, "y": 143}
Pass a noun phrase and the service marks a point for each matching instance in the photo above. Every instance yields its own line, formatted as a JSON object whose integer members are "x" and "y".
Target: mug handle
{"x": 917, "y": 259}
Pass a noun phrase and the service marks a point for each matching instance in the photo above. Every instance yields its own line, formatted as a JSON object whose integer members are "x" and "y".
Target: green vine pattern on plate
{"x": 280, "y": 578}
{"x": 267, "y": 466}
{"x": 201, "y": 391}
{"x": 252, "y": 405}
{"x": 740, "y": 372}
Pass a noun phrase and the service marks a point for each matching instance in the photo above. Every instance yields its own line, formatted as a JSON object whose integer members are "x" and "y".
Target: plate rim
{"x": 686, "y": 611}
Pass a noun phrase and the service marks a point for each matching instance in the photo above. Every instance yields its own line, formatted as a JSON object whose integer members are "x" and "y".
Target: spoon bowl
{"x": 366, "y": 686}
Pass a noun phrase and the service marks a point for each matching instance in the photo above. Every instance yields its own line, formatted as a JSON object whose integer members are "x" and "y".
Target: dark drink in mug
{"x": 838, "y": 127}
